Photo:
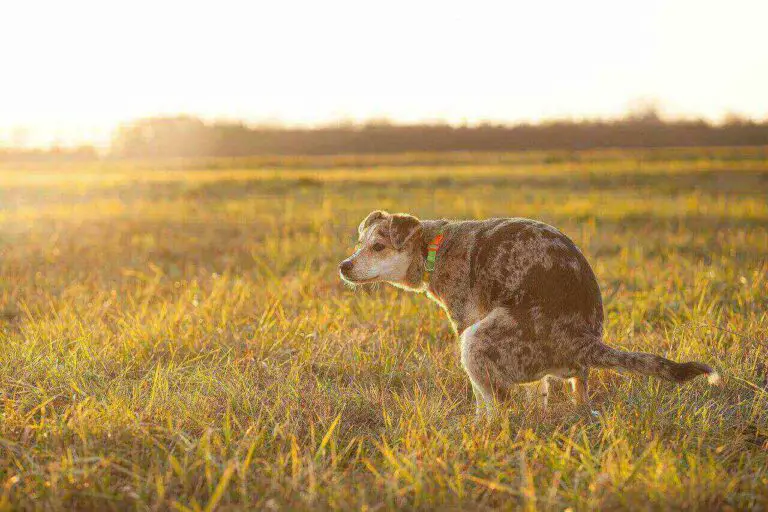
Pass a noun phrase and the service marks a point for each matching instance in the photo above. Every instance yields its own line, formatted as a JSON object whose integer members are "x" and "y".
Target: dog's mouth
{"x": 351, "y": 280}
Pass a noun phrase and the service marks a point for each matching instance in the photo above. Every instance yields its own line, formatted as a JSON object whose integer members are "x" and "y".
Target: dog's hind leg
{"x": 484, "y": 401}
{"x": 479, "y": 361}
{"x": 495, "y": 357}
{"x": 580, "y": 387}
{"x": 538, "y": 392}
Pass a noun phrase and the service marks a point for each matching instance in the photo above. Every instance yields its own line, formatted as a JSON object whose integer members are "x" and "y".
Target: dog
{"x": 521, "y": 297}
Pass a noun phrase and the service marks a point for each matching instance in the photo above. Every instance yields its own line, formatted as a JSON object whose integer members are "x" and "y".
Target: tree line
{"x": 190, "y": 137}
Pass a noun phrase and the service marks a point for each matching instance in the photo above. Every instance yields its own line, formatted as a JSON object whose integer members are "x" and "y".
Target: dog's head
{"x": 387, "y": 247}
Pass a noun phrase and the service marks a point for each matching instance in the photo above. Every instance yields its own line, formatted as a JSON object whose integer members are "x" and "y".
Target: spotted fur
{"x": 520, "y": 295}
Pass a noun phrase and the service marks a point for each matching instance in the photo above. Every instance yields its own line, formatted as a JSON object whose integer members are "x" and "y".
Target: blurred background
{"x": 145, "y": 79}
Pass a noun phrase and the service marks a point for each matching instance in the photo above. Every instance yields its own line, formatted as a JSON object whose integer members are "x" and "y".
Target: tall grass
{"x": 180, "y": 340}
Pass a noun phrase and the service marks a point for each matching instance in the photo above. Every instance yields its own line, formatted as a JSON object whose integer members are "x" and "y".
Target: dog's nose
{"x": 345, "y": 266}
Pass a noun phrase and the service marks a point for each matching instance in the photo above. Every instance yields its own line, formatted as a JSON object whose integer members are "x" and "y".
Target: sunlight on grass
{"x": 180, "y": 340}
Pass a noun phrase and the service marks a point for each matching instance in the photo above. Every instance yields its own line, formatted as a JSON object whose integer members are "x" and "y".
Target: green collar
{"x": 432, "y": 248}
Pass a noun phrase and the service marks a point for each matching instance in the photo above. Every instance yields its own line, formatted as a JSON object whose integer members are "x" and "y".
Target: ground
{"x": 174, "y": 335}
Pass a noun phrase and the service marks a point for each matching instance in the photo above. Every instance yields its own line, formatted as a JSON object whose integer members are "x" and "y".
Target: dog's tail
{"x": 603, "y": 356}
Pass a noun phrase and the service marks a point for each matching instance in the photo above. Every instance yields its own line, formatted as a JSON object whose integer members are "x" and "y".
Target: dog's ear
{"x": 370, "y": 219}
{"x": 402, "y": 228}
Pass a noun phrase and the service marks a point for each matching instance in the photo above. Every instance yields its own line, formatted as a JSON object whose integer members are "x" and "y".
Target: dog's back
{"x": 527, "y": 267}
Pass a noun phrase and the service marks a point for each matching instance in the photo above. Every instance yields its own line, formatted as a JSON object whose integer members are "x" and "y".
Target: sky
{"x": 71, "y": 71}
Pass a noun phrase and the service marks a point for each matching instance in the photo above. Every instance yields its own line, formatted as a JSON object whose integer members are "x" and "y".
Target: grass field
{"x": 174, "y": 335}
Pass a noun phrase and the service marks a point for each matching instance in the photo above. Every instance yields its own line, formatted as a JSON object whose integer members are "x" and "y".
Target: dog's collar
{"x": 432, "y": 248}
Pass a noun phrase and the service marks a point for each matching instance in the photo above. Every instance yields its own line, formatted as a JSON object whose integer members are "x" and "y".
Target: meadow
{"x": 174, "y": 335}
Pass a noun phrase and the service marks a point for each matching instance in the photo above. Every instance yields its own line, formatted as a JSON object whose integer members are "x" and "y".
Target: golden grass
{"x": 175, "y": 339}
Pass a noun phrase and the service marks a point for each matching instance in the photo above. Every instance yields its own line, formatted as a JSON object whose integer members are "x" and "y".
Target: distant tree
{"x": 181, "y": 136}
{"x": 735, "y": 119}
{"x": 644, "y": 111}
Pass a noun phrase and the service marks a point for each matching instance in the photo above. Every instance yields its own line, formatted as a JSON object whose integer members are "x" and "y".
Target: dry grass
{"x": 174, "y": 339}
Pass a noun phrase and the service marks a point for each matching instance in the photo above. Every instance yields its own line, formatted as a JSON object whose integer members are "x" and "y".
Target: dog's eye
{"x": 377, "y": 247}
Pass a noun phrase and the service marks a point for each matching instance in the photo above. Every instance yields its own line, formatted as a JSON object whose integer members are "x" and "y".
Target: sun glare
{"x": 74, "y": 70}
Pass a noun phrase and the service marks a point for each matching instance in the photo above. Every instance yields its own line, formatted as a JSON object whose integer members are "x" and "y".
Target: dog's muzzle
{"x": 345, "y": 267}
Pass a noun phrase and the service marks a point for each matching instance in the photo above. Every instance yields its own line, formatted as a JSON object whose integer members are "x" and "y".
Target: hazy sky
{"x": 70, "y": 70}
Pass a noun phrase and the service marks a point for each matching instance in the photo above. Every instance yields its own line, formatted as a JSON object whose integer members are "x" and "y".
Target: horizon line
{"x": 648, "y": 113}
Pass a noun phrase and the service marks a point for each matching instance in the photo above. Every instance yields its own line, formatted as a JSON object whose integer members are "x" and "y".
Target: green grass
{"x": 181, "y": 340}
